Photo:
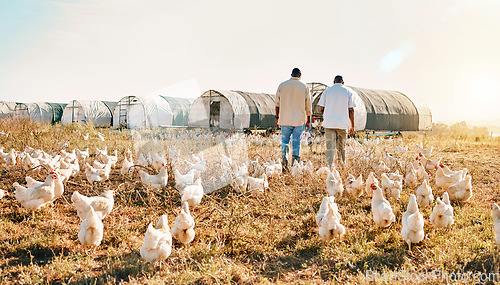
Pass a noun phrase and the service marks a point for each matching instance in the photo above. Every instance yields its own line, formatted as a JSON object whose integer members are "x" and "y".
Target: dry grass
{"x": 239, "y": 239}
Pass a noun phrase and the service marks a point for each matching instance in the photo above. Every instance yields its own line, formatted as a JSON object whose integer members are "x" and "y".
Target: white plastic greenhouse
{"x": 40, "y": 111}
{"x": 230, "y": 109}
{"x": 134, "y": 112}
{"x": 6, "y": 109}
{"x": 98, "y": 113}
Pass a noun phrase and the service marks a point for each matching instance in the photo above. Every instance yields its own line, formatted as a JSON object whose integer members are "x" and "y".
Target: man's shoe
{"x": 284, "y": 165}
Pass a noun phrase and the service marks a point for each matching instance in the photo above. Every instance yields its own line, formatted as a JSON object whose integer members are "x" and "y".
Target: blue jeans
{"x": 294, "y": 133}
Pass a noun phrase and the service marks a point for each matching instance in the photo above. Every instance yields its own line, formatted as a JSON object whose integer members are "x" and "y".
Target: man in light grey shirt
{"x": 337, "y": 106}
{"x": 293, "y": 112}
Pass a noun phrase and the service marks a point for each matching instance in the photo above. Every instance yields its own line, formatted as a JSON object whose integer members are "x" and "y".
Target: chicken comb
{"x": 373, "y": 186}
{"x": 441, "y": 165}
{"x": 420, "y": 154}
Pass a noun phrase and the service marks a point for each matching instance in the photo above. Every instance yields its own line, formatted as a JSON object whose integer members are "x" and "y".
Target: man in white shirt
{"x": 337, "y": 106}
{"x": 293, "y": 111}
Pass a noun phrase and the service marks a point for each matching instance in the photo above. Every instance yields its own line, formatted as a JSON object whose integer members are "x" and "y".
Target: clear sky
{"x": 445, "y": 52}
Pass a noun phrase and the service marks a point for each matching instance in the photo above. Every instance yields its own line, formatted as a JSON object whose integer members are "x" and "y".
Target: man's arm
{"x": 351, "y": 118}
{"x": 322, "y": 110}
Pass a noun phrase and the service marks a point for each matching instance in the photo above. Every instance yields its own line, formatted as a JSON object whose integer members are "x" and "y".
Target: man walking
{"x": 293, "y": 110}
{"x": 337, "y": 106}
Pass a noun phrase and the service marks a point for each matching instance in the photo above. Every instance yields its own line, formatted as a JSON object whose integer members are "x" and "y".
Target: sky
{"x": 444, "y": 52}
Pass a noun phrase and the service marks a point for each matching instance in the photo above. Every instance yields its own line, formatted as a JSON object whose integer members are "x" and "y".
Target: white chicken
{"x": 10, "y": 159}
{"x": 424, "y": 151}
{"x": 183, "y": 180}
{"x": 401, "y": 149}
{"x": 421, "y": 173}
{"x": 96, "y": 174}
{"x": 159, "y": 180}
{"x": 445, "y": 180}
{"x": 157, "y": 245}
{"x": 298, "y": 169}
{"x": 462, "y": 190}
{"x": 381, "y": 208}
{"x": 258, "y": 185}
{"x": 442, "y": 214}
{"x": 411, "y": 178}
{"x": 241, "y": 178}
{"x": 193, "y": 193}
{"x": 158, "y": 161}
{"x": 392, "y": 188}
{"x": 102, "y": 204}
{"x": 200, "y": 164}
{"x": 424, "y": 194}
{"x": 36, "y": 197}
{"x": 3, "y": 193}
{"x": 128, "y": 154}
{"x": 126, "y": 165}
{"x": 381, "y": 168}
{"x": 354, "y": 186}
{"x": 323, "y": 172}
{"x": 496, "y": 222}
{"x": 91, "y": 230}
{"x": 109, "y": 159}
{"x": 183, "y": 229}
{"x": 413, "y": 223}
{"x": 334, "y": 186}
{"x": 370, "y": 179}
{"x": 328, "y": 220}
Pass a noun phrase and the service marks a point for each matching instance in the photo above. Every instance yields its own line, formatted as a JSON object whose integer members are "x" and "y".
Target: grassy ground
{"x": 242, "y": 239}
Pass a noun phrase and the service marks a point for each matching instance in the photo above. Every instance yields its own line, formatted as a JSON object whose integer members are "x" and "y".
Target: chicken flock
{"x": 383, "y": 185}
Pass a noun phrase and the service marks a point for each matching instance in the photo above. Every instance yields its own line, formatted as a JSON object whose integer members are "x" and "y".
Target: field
{"x": 271, "y": 238}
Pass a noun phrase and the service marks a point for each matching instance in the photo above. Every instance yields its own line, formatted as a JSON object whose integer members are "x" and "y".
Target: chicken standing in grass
{"x": 381, "y": 168}
{"x": 496, "y": 222}
{"x": 446, "y": 179}
{"x": 96, "y": 174}
{"x": 193, "y": 193}
{"x": 183, "y": 180}
{"x": 36, "y": 197}
{"x": 159, "y": 180}
{"x": 91, "y": 230}
{"x": 413, "y": 223}
{"x": 3, "y": 193}
{"x": 183, "y": 229}
{"x": 424, "y": 193}
{"x": 10, "y": 159}
{"x": 102, "y": 205}
{"x": 381, "y": 208}
{"x": 58, "y": 184}
{"x": 323, "y": 172}
{"x": 334, "y": 186}
{"x": 354, "y": 186}
{"x": 411, "y": 178}
{"x": 328, "y": 220}
{"x": 442, "y": 214}
{"x": 392, "y": 188}
{"x": 462, "y": 190}
{"x": 126, "y": 165}
{"x": 258, "y": 185}
{"x": 371, "y": 179}
{"x": 157, "y": 245}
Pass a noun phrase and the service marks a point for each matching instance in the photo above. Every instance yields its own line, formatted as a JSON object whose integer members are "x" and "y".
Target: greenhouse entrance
{"x": 215, "y": 114}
